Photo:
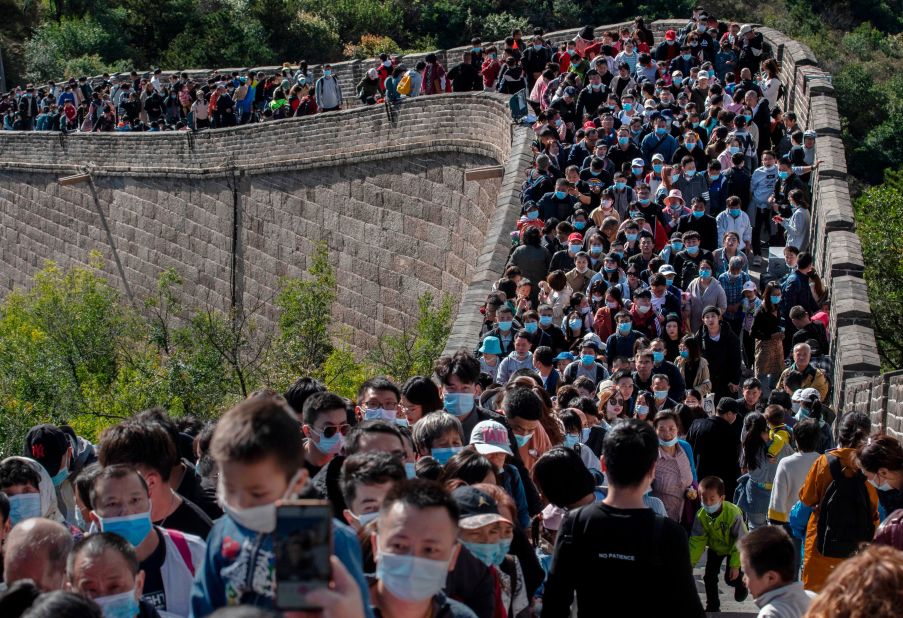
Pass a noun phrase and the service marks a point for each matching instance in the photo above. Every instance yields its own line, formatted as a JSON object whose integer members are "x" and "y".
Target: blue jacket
{"x": 652, "y": 144}
{"x": 240, "y": 565}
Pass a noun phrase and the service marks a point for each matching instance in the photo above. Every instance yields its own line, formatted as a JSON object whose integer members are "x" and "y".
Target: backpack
{"x": 404, "y": 86}
{"x": 844, "y": 514}
{"x": 24, "y": 107}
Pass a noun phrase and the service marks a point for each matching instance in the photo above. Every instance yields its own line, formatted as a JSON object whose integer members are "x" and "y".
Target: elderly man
{"x": 37, "y": 549}
{"x": 812, "y": 376}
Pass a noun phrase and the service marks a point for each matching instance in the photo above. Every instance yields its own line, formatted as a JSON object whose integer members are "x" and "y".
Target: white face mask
{"x": 257, "y": 518}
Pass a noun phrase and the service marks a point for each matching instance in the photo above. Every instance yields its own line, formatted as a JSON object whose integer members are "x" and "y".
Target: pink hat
{"x": 674, "y": 194}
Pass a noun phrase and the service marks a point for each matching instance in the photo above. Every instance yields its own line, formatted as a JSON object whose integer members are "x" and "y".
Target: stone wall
{"x": 197, "y": 176}
{"x": 881, "y": 397}
{"x": 235, "y": 210}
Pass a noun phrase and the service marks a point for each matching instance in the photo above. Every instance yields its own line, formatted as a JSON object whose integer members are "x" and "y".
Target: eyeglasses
{"x": 330, "y": 430}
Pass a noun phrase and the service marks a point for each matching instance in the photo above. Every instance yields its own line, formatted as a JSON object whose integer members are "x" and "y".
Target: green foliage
{"x": 305, "y": 315}
{"x": 311, "y": 37}
{"x": 81, "y": 45}
{"x": 879, "y": 223}
{"x": 371, "y": 46}
{"x": 566, "y": 14}
{"x": 356, "y": 18}
{"x": 499, "y": 25}
{"x": 414, "y": 351}
{"x": 219, "y": 38}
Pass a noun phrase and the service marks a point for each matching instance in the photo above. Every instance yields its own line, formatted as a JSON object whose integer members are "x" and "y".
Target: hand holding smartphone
{"x": 303, "y": 545}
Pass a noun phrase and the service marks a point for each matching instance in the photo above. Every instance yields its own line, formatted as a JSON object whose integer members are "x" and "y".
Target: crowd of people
{"x": 637, "y": 402}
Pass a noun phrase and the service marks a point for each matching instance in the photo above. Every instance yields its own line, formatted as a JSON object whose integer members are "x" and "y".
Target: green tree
{"x": 879, "y": 223}
{"x": 414, "y": 351}
{"x": 305, "y": 314}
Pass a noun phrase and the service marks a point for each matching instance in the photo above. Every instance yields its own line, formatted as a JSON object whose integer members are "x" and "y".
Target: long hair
{"x": 753, "y": 446}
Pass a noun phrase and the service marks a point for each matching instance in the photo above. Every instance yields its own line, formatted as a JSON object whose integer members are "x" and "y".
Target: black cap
{"x": 47, "y": 444}
{"x": 477, "y": 509}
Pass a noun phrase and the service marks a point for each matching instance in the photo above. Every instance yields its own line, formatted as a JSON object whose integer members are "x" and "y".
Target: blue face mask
{"x": 734, "y": 212}
{"x": 545, "y": 320}
{"x": 630, "y": 237}
{"x": 668, "y": 443}
{"x": 620, "y": 254}
{"x": 59, "y": 477}
{"x": 410, "y": 470}
{"x": 505, "y": 325}
{"x": 735, "y": 149}
{"x": 686, "y": 57}
{"x": 378, "y": 414}
{"x": 625, "y": 328}
{"x": 675, "y": 177}
{"x": 123, "y": 605}
{"x": 679, "y": 80}
{"x": 533, "y": 215}
{"x": 503, "y": 547}
{"x": 661, "y": 131}
{"x": 689, "y": 173}
{"x": 531, "y": 327}
{"x": 442, "y": 455}
{"x": 595, "y": 249}
{"x": 571, "y": 440}
{"x": 698, "y": 213}
{"x": 628, "y": 107}
{"x": 584, "y": 434}
{"x": 485, "y": 552}
{"x": 748, "y": 117}
{"x": 329, "y": 446}
{"x": 623, "y": 140}
{"x": 587, "y": 359}
{"x": 668, "y": 282}
{"x": 660, "y": 395}
{"x": 327, "y": 73}
{"x": 620, "y": 185}
{"x": 133, "y": 528}
{"x": 579, "y": 225}
{"x": 560, "y": 195}
{"x": 711, "y": 509}
{"x": 644, "y": 201}
{"x": 714, "y": 178}
{"x": 575, "y": 248}
{"x": 657, "y": 168}
{"x": 685, "y": 354}
{"x": 522, "y": 440}
{"x": 641, "y": 410}
{"x": 575, "y": 324}
{"x": 458, "y": 404}
{"x": 677, "y": 246}
{"x": 705, "y": 273}
{"x": 24, "y": 506}
{"x": 775, "y": 299}
{"x": 783, "y": 175}
{"x": 658, "y": 356}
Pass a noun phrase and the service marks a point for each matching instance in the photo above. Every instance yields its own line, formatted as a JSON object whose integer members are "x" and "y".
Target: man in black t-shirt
{"x": 606, "y": 551}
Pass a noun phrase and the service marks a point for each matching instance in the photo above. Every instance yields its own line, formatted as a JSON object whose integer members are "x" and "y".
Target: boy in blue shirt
{"x": 257, "y": 446}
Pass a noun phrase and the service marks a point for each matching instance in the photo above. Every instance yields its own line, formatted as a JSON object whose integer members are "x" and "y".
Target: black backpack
{"x": 844, "y": 514}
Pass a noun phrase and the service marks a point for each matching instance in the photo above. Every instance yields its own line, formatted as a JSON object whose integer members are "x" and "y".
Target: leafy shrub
{"x": 370, "y": 46}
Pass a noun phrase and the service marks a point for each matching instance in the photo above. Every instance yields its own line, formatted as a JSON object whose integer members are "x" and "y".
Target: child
{"x": 767, "y": 556}
{"x": 256, "y": 446}
{"x": 778, "y": 432}
{"x": 719, "y": 525}
{"x": 438, "y": 435}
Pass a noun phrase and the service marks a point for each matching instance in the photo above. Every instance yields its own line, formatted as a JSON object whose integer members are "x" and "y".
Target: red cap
{"x": 670, "y": 35}
{"x": 589, "y": 124}
{"x": 575, "y": 237}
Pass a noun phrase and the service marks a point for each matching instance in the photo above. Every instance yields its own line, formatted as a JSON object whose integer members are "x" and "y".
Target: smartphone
{"x": 303, "y": 545}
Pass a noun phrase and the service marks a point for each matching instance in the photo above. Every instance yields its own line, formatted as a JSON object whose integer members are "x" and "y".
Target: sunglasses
{"x": 330, "y": 430}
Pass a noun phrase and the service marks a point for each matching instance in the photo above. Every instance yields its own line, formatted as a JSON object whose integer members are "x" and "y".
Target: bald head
{"x": 37, "y": 549}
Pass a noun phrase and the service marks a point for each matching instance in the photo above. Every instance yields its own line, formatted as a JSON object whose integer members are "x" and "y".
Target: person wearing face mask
{"x": 328, "y": 91}
{"x": 586, "y": 364}
{"x": 416, "y": 547}
{"x": 325, "y": 424}
{"x": 719, "y": 526}
{"x": 560, "y": 203}
{"x": 668, "y": 49}
{"x": 659, "y": 140}
{"x": 674, "y": 482}
{"x": 691, "y": 184}
{"x": 881, "y": 460}
{"x": 167, "y": 558}
{"x": 686, "y": 262}
{"x": 762, "y": 188}
{"x": 578, "y": 278}
{"x": 104, "y": 568}
{"x": 365, "y": 480}
{"x": 255, "y": 445}
{"x": 733, "y": 282}
{"x": 591, "y": 97}
{"x": 684, "y": 62}
{"x": 721, "y": 348}
{"x": 50, "y": 447}
{"x": 701, "y": 222}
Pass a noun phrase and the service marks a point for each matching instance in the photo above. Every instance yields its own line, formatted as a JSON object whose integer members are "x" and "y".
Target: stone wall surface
{"x": 382, "y": 192}
{"x": 235, "y": 210}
